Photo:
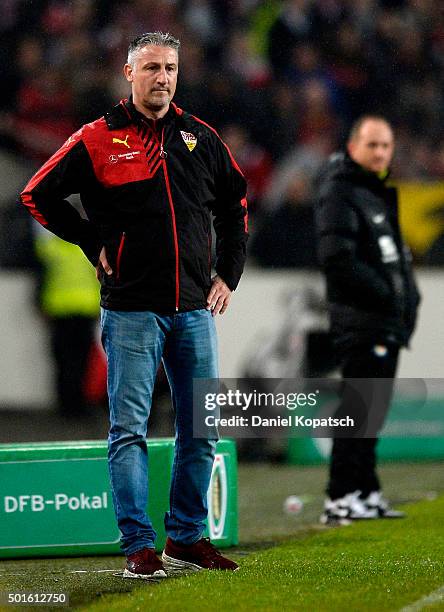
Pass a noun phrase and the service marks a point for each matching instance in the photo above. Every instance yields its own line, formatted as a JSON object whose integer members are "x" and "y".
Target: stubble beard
{"x": 155, "y": 103}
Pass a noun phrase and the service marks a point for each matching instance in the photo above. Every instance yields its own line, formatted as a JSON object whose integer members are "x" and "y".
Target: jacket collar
{"x": 125, "y": 113}
{"x": 341, "y": 166}
{"x": 366, "y": 175}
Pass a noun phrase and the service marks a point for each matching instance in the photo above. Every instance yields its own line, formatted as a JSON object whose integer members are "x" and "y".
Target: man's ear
{"x": 128, "y": 72}
{"x": 350, "y": 148}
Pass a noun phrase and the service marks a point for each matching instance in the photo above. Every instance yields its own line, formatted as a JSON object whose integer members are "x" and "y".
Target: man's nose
{"x": 162, "y": 76}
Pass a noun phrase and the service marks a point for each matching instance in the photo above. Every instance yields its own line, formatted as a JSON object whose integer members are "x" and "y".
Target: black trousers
{"x": 353, "y": 460}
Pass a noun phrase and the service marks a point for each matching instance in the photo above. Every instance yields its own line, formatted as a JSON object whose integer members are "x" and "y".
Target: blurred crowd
{"x": 281, "y": 80}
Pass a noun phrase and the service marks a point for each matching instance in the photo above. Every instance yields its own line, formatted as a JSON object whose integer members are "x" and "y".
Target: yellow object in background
{"x": 421, "y": 211}
{"x": 69, "y": 286}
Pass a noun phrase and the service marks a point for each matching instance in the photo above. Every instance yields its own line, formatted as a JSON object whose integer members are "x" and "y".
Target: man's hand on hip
{"x": 219, "y": 296}
{"x": 103, "y": 264}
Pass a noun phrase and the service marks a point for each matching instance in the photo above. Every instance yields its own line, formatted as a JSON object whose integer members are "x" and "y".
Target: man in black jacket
{"x": 150, "y": 177}
{"x": 372, "y": 299}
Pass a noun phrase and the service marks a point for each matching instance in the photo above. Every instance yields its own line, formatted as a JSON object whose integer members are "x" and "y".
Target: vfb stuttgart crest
{"x": 189, "y": 139}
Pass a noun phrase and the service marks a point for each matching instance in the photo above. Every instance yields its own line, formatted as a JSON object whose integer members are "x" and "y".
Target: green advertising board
{"x": 413, "y": 431}
{"x": 55, "y": 498}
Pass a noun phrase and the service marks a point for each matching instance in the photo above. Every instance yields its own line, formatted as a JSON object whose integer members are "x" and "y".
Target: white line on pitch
{"x": 62, "y": 572}
{"x": 432, "y": 598}
{"x": 92, "y": 571}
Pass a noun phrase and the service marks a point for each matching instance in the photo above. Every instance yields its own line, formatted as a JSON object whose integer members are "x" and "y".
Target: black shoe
{"x": 375, "y": 501}
{"x": 344, "y": 510}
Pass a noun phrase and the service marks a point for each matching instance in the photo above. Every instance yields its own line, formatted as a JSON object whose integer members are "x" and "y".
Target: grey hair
{"x": 160, "y": 39}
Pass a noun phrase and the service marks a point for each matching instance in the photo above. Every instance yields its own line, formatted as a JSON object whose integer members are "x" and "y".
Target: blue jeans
{"x": 135, "y": 342}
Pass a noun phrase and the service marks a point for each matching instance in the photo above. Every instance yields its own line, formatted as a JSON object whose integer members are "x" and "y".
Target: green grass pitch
{"x": 287, "y": 562}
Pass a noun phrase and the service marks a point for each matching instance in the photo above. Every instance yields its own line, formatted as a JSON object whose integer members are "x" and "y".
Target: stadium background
{"x": 282, "y": 82}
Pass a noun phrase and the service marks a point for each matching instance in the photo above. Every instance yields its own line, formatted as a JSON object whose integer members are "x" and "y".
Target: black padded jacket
{"x": 371, "y": 289}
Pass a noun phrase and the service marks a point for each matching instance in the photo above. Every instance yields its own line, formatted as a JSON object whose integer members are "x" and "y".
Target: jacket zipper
{"x": 119, "y": 254}
{"x": 163, "y": 155}
{"x": 173, "y": 218}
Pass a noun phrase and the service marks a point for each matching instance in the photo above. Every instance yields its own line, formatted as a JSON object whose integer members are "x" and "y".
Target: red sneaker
{"x": 200, "y": 555}
{"x": 144, "y": 564}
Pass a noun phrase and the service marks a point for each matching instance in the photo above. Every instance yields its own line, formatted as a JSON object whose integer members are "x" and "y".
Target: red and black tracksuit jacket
{"x": 149, "y": 190}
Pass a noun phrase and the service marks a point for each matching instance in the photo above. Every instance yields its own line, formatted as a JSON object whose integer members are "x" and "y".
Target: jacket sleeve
{"x": 337, "y": 228}
{"x": 66, "y": 172}
{"x": 230, "y": 216}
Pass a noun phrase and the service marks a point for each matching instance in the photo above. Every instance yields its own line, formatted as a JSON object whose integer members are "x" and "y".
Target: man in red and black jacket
{"x": 151, "y": 177}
